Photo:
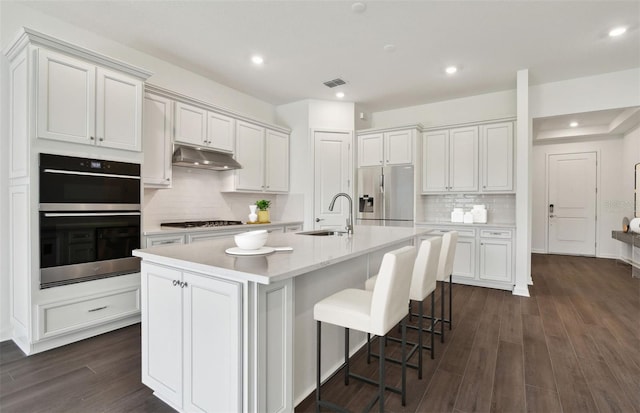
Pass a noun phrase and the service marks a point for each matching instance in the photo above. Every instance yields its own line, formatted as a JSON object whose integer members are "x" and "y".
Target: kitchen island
{"x": 236, "y": 333}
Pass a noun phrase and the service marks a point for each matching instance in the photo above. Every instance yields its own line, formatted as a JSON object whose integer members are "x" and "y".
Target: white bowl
{"x": 251, "y": 240}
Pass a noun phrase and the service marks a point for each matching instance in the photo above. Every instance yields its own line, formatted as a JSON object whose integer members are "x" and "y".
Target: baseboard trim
{"x": 537, "y": 251}
{"x": 521, "y": 290}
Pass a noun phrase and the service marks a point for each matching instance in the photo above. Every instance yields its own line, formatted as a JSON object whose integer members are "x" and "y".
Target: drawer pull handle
{"x": 97, "y": 309}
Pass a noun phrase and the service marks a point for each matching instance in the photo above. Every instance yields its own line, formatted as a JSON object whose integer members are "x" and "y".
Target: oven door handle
{"x": 90, "y": 214}
{"x": 63, "y": 172}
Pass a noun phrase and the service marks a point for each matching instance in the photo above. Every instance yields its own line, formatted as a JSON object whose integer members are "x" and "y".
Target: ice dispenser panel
{"x": 365, "y": 204}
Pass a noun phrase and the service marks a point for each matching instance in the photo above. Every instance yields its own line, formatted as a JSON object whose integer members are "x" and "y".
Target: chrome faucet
{"x": 349, "y": 226}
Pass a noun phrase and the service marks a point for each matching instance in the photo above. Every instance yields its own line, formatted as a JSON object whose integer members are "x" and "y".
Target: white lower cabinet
{"x": 496, "y": 256}
{"x": 464, "y": 263}
{"x": 483, "y": 257}
{"x": 192, "y": 339}
{"x": 67, "y": 316}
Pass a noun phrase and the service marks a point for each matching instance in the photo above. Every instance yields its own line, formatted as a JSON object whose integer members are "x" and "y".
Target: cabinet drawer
{"x": 495, "y": 233}
{"x": 467, "y": 232}
{"x": 293, "y": 228}
{"x": 165, "y": 240}
{"x": 63, "y": 317}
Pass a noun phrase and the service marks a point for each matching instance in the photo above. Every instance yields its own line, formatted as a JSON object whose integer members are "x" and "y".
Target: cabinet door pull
{"x": 175, "y": 282}
{"x": 100, "y": 139}
{"x": 91, "y": 138}
{"x": 97, "y": 309}
{"x": 183, "y": 284}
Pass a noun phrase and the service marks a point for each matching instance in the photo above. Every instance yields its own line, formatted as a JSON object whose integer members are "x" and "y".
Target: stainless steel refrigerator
{"x": 385, "y": 196}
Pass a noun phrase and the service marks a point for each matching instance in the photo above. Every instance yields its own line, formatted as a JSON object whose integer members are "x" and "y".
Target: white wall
{"x": 586, "y": 94}
{"x": 612, "y": 203}
{"x": 468, "y": 109}
{"x": 630, "y": 157}
{"x": 302, "y": 117}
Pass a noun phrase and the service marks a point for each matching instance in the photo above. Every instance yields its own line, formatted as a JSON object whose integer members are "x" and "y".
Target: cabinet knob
{"x": 175, "y": 282}
{"x": 168, "y": 179}
{"x": 91, "y": 137}
{"x": 101, "y": 139}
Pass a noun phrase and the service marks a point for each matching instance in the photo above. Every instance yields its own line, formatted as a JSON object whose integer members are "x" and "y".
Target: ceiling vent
{"x": 335, "y": 82}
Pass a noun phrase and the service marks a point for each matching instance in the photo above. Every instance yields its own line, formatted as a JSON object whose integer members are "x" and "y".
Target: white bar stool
{"x": 423, "y": 284}
{"x": 445, "y": 269}
{"x": 373, "y": 312}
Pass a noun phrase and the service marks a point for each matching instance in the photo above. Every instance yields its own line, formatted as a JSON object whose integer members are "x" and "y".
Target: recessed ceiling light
{"x": 451, "y": 70}
{"x": 358, "y": 7}
{"x": 390, "y": 48}
{"x": 340, "y": 95}
{"x": 573, "y": 124}
{"x": 617, "y": 31}
{"x": 257, "y": 60}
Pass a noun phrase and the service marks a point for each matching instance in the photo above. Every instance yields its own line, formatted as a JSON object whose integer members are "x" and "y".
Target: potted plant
{"x": 263, "y": 211}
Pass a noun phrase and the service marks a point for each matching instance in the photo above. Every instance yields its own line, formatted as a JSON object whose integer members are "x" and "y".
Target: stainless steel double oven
{"x": 89, "y": 219}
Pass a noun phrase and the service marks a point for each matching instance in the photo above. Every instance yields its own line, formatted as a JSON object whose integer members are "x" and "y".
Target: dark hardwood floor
{"x": 574, "y": 346}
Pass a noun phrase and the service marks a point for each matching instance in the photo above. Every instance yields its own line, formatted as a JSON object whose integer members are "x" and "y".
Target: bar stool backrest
{"x": 447, "y": 253}
{"x": 425, "y": 269}
{"x": 391, "y": 292}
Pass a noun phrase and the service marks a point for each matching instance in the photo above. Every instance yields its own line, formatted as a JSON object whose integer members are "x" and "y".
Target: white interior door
{"x": 332, "y": 175}
{"x": 572, "y": 203}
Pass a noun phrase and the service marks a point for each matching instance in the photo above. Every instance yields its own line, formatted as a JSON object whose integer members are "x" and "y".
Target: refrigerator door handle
{"x": 382, "y": 184}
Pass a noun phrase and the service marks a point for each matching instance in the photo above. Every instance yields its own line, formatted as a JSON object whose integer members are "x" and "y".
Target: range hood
{"x": 203, "y": 158}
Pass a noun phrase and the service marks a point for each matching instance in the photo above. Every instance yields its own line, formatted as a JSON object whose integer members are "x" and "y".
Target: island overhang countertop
{"x": 309, "y": 253}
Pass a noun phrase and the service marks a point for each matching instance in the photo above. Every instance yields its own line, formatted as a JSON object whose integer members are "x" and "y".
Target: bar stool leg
{"x": 420, "y": 317}
{"x": 404, "y": 361}
{"x": 318, "y": 367}
{"x": 381, "y": 384}
{"x": 450, "y": 301}
{"x": 442, "y": 312}
{"x": 346, "y": 356}
{"x": 368, "y": 348}
{"x": 433, "y": 317}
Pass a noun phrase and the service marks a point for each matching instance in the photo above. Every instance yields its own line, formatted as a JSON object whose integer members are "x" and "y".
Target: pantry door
{"x": 572, "y": 203}
{"x": 332, "y": 175}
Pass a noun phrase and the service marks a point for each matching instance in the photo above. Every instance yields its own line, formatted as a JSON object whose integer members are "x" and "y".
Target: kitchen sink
{"x": 323, "y": 233}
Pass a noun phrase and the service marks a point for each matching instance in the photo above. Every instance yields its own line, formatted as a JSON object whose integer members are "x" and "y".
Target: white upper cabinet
{"x": 119, "y": 111}
{"x": 157, "y": 147}
{"x": 276, "y": 161}
{"x": 196, "y": 126}
{"x": 221, "y": 131}
{"x": 84, "y": 103}
{"x": 435, "y": 164}
{"x": 191, "y": 124}
{"x": 497, "y": 143}
{"x": 450, "y": 160}
{"x": 264, "y": 156}
{"x": 66, "y": 98}
{"x": 386, "y": 148}
{"x": 463, "y": 159}
{"x": 250, "y": 154}
{"x": 398, "y": 147}
{"x": 370, "y": 149}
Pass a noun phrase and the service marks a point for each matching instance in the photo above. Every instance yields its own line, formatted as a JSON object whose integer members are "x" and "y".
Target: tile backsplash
{"x": 196, "y": 195}
{"x": 501, "y": 209}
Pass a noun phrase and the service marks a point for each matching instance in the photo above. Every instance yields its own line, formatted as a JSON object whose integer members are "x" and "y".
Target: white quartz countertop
{"x": 460, "y": 224}
{"x": 234, "y": 228}
{"x": 309, "y": 253}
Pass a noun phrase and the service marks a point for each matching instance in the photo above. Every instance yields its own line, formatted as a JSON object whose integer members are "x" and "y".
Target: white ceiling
{"x": 591, "y": 125}
{"x": 305, "y": 43}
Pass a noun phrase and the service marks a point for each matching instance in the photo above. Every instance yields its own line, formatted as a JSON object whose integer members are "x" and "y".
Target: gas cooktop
{"x": 200, "y": 224}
